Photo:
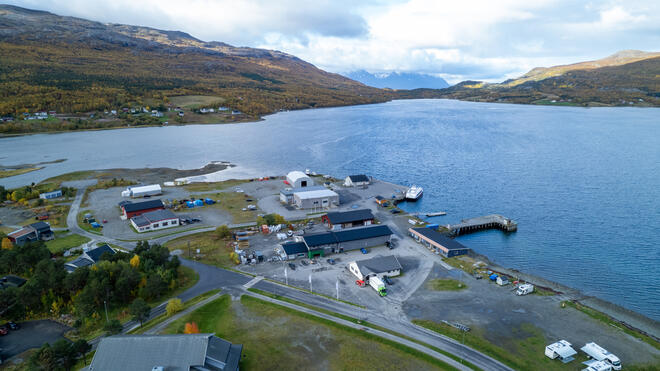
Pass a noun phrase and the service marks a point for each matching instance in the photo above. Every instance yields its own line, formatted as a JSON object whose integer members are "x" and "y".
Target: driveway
{"x": 32, "y": 334}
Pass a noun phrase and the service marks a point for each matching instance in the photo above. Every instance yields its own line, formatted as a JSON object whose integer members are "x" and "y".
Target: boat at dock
{"x": 414, "y": 193}
{"x": 439, "y": 213}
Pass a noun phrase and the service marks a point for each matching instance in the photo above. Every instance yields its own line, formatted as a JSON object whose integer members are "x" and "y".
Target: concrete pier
{"x": 493, "y": 221}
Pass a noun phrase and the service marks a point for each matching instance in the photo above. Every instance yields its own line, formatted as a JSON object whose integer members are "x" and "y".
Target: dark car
{"x": 195, "y": 220}
{"x": 331, "y": 261}
{"x": 395, "y": 211}
{"x": 292, "y": 266}
{"x": 387, "y": 280}
{"x": 12, "y": 326}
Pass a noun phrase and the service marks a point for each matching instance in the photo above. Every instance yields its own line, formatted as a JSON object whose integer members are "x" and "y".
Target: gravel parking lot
{"x": 32, "y": 334}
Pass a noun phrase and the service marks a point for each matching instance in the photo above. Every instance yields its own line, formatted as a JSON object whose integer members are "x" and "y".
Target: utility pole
{"x": 337, "y": 287}
{"x": 189, "y": 253}
{"x": 286, "y": 277}
{"x": 105, "y": 304}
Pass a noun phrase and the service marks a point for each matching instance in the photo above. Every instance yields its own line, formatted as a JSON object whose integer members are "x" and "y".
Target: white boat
{"x": 414, "y": 193}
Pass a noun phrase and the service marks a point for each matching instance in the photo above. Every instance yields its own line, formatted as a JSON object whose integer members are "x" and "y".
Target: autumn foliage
{"x": 191, "y": 328}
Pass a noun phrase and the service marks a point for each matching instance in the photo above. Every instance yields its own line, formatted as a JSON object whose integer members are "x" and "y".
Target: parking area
{"x": 31, "y": 334}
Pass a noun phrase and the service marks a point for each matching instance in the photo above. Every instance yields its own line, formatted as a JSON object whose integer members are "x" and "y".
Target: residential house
{"x": 357, "y": 180}
{"x": 89, "y": 257}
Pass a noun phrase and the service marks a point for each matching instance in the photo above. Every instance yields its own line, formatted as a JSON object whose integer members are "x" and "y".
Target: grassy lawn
{"x": 65, "y": 242}
{"x": 604, "y": 318}
{"x": 524, "y": 352}
{"x": 86, "y": 226}
{"x": 14, "y": 172}
{"x": 275, "y": 337}
{"x": 212, "y": 251}
{"x": 194, "y": 101}
{"x": 76, "y": 175}
{"x": 445, "y": 285}
{"x": 214, "y": 186}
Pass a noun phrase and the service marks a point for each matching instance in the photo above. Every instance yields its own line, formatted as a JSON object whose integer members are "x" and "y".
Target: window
{"x": 165, "y": 223}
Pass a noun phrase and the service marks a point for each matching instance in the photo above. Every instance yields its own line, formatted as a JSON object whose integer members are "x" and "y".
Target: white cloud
{"x": 468, "y": 39}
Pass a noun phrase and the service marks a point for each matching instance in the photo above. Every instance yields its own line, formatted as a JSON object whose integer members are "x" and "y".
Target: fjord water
{"x": 583, "y": 184}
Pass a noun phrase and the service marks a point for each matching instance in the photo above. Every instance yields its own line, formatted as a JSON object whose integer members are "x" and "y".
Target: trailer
{"x": 378, "y": 285}
{"x": 562, "y": 350}
{"x": 524, "y": 289}
{"x": 599, "y": 353}
{"x": 594, "y": 365}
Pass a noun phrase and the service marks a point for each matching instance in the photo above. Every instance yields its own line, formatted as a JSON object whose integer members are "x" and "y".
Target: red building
{"x": 130, "y": 210}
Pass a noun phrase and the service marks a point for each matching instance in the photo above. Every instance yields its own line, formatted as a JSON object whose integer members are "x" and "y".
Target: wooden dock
{"x": 480, "y": 223}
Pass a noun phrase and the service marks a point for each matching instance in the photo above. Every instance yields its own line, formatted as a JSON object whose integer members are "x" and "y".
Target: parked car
{"x": 387, "y": 280}
{"x": 331, "y": 261}
{"x": 292, "y": 266}
{"x": 4, "y": 330}
{"x": 289, "y": 233}
{"x": 195, "y": 220}
{"x": 304, "y": 262}
{"x": 12, "y": 326}
{"x": 395, "y": 211}
{"x": 363, "y": 250}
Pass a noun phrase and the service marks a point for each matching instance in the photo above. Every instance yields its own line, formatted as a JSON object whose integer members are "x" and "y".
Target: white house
{"x": 316, "y": 199}
{"x": 298, "y": 179}
{"x": 379, "y": 266}
{"x": 356, "y": 180}
{"x": 154, "y": 220}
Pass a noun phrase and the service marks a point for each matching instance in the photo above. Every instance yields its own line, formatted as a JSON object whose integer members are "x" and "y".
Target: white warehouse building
{"x": 148, "y": 190}
{"x": 316, "y": 199}
{"x": 298, "y": 179}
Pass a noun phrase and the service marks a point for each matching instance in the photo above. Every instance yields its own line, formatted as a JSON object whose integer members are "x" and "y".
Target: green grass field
{"x": 212, "y": 251}
{"x": 276, "y": 338}
{"x": 13, "y": 172}
{"x": 445, "y": 285}
{"x": 194, "y": 101}
{"x": 65, "y": 242}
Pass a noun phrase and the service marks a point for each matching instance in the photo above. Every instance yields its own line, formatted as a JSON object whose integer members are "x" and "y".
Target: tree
{"x": 174, "y": 306}
{"x": 135, "y": 261}
{"x": 140, "y": 310}
{"x": 113, "y": 327}
{"x": 64, "y": 354}
{"x": 154, "y": 288}
{"x": 191, "y": 328}
{"x": 6, "y": 244}
{"x": 222, "y": 232}
{"x": 80, "y": 348}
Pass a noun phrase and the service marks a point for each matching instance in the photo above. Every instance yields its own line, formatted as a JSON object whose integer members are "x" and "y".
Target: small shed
{"x": 502, "y": 280}
{"x": 50, "y": 195}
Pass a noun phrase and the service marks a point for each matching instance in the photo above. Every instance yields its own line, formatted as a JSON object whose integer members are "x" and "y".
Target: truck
{"x": 378, "y": 285}
{"x": 524, "y": 289}
{"x": 599, "y": 353}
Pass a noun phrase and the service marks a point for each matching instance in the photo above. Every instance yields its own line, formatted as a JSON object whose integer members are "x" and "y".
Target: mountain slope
{"x": 50, "y": 62}
{"x": 629, "y": 78}
{"x": 398, "y": 80}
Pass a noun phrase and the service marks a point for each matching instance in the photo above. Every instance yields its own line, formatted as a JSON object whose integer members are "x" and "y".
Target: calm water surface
{"x": 583, "y": 184}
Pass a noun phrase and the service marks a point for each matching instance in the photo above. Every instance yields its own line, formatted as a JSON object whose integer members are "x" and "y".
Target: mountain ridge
{"x": 398, "y": 80}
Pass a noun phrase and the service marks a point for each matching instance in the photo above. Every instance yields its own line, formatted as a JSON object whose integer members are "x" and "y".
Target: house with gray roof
{"x": 89, "y": 257}
{"x": 379, "y": 266}
{"x": 183, "y": 352}
{"x": 320, "y": 244}
{"x": 359, "y": 180}
{"x": 154, "y": 220}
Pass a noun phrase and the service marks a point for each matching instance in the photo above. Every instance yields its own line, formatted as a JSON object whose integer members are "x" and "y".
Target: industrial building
{"x": 286, "y": 195}
{"x": 142, "y": 191}
{"x": 181, "y": 352}
{"x": 356, "y": 180}
{"x": 50, "y": 195}
{"x": 131, "y": 209}
{"x": 321, "y": 244}
{"x": 379, "y": 266}
{"x": 298, "y": 179}
{"x": 316, "y": 199}
{"x": 293, "y": 249}
{"x": 348, "y": 219}
{"x": 438, "y": 242}
{"x": 154, "y": 220}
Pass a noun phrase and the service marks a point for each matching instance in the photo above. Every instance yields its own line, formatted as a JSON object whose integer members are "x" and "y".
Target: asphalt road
{"x": 32, "y": 334}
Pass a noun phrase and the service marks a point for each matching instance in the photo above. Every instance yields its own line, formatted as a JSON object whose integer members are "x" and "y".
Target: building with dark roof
{"x": 320, "y": 244}
{"x": 438, "y": 242}
{"x": 89, "y": 257}
{"x": 132, "y": 209}
{"x": 183, "y": 352}
{"x": 11, "y": 281}
{"x": 294, "y": 249}
{"x": 348, "y": 219}
{"x": 379, "y": 266}
{"x": 154, "y": 220}
{"x": 357, "y": 180}
{"x": 43, "y": 230}
{"x": 33, "y": 232}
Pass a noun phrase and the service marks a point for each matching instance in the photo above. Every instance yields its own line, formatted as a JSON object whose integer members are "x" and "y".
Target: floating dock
{"x": 480, "y": 223}
{"x": 438, "y": 213}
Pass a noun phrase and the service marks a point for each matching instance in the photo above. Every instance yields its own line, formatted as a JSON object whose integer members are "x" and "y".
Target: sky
{"x": 488, "y": 40}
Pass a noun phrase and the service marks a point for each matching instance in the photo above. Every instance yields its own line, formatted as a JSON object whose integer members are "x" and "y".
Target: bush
{"x": 113, "y": 327}
{"x": 174, "y": 306}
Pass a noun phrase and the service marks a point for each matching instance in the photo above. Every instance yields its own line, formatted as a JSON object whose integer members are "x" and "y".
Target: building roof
{"x": 172, "y": 352}
{"x": 40, "y": 226}
{"x": 144, "y": 205}
{"x": 359, "y": 178}
{"x": 11, "y": 281}
{"x": 439, "y": 238}
{"x": 21, "y": 232}
{"x": 380, "y": 264}
{"x": 292, "y": 248}
{"x": 96, "y": 253}
{"x": 290, "y": 191}
{"x": 362, "y": 233}
{"x": 57, "y": 191}
{"x": 306, "y": 195}
{"x": 146, "y": 188}
{"x": 140, "y": 221}
{"x": 340, "y": 217}
{"x": 78, "y": 262}
{"x": 295, "y": 175}
{"x": 346, "y": 235}
{"x": 158, "y": 215}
